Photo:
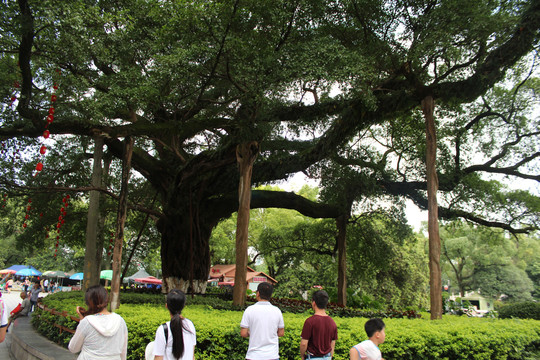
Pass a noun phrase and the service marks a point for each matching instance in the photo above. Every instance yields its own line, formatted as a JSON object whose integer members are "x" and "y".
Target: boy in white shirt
{"x": 369, "y": 349}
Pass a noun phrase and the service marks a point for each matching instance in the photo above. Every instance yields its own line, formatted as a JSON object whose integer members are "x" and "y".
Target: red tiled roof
{"x": 229, "y": 271}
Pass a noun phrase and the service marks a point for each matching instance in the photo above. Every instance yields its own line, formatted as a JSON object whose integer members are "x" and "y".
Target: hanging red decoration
{"x": 24, "y": 225}
{"x": 51, "y": 111}
{"x": 43, "y": 150}
{"x": 53, "y": 97}
{"x": 50, "y": 119}
{"x": 46, "y": 134}
{"x": 39, "y": 166}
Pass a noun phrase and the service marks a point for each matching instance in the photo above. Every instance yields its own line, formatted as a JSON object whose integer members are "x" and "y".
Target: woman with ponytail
{"x": 176, "y": 339}
{"x": 100, "y": 335}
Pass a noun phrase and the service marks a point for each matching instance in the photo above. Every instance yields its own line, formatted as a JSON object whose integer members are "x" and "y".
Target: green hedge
{"x": 522, "y": 310}
{"x": 450, "y": 338}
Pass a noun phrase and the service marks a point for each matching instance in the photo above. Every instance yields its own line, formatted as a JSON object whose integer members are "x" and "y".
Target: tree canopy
{"x": 331, "y": 88}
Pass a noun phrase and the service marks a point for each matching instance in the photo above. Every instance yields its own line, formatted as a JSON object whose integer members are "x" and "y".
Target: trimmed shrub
{"x": 218, "y": 334}
{"x": 523, "y": 310}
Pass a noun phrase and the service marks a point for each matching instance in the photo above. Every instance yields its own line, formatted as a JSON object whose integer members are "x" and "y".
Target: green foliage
{"x": 475, "y": 257}
{"x": 218, "y": 334}
{"x": 520, "y": 310}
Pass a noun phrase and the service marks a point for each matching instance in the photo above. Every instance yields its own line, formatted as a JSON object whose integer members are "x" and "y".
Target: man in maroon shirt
{"x": 319, "y": 334}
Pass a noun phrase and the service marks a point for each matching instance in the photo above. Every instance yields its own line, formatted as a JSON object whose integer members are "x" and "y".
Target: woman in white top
{"x": 176, "y": 339}
{"x": 100, "y": 334}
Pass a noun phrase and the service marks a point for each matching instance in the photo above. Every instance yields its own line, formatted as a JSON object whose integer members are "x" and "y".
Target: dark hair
{"x": 176, "y": 299}
{"x": 321, "y": 298}
{"x": 96, "y": 298}
{"x": 373, "y": 325}
{"x": 265, "y": 290}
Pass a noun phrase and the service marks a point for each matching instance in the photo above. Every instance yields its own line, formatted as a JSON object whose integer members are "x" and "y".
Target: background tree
{"x": 478, "y": 258}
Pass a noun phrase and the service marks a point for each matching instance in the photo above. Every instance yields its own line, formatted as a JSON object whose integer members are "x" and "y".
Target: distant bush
{"x": 69, "y": 300}
{"x": 522, "y": 310}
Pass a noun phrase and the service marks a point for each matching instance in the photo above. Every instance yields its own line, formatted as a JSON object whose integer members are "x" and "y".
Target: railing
{"x": 65, "y": 314}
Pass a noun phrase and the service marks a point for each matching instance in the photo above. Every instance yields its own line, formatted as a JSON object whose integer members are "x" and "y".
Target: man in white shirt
{"x": 263, "y": 324}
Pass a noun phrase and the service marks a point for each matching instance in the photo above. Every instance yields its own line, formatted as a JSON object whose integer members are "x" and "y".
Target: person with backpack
{"x": 176, "y": 339}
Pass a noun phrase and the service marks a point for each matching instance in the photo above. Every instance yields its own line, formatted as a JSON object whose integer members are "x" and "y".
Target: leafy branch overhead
{"x": 328, "y": 88}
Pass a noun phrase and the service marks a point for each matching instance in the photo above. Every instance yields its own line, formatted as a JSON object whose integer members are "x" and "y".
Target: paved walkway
{"x": 11, "y": 300}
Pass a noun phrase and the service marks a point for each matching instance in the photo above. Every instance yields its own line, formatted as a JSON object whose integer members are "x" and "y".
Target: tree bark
{"x": 435, "y": 281}
{"x": 245, "y": 155}
{"x": 93, "y": 254}
{"x": 341, "y": 223}
{"x": 185, "y": 258}
{"x": 121, "y": 219}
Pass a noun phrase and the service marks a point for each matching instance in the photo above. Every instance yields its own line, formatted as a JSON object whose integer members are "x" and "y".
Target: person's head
{"x": 375, "y": 330}
{"x": 320, "y": 298}
{"x": 96, "y": 299}
{"x": 265, "y": 290}
{"x": 23, "y": 295}
{"x": 176, "y": 299}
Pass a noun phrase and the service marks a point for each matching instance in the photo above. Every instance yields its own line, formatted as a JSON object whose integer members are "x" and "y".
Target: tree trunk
{"x": 341, "y": 223}
{"x": 121, "y": 220}
{"x": 93, "y": 254}
{"x": 435, "y": 281}
{"x": 185, "y": 257}
{"x": 245, "y": 155}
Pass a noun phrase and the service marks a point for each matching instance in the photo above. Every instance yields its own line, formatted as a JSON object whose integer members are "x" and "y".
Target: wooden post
{"x": 120, "y": 221}
{"x": 435, "y": 282}
{"x": 92, "y": 256}
{"x": 246, "y": 154}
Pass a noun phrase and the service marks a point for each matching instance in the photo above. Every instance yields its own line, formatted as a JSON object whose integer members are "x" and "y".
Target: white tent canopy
{"x": 139, "y": 274}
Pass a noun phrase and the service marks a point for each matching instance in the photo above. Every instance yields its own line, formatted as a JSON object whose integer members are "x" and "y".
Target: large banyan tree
{"x": 331, "y": 88}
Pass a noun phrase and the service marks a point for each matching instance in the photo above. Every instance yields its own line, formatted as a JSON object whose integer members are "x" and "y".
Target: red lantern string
{"x": 27, "y": 215}
{"x": 111, "y": 243}
{"x": 61, "y": 221}
{"x": 14, "y": 96}
{"x": 49, "y": 120}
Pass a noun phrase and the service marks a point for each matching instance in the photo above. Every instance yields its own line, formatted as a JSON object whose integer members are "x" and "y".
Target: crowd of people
{"x": 24, "y": 283}
{"x": 104, "y": 335}
{"x": 263, "y": 324}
